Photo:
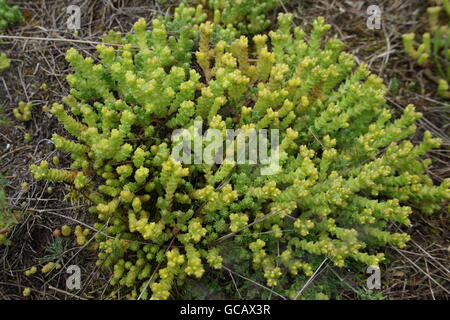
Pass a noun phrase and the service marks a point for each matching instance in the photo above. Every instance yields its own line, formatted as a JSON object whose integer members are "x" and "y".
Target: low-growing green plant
{"x": 434, "y": 51}
{"x": 3, "y": 122}
{"x": 4, "y": 61}
{"x": 30, "y": 272}
{"x": 7, "y": 218}
{"x": 4, "y": 64}
{"x": 23, "y": 111}
{"x": 26, "y": 292}
{"x": 347, "y": 168}
{"x": 9, "y": 15}
{"x": 247, "y": 16}
{"x": 55, "y": 251}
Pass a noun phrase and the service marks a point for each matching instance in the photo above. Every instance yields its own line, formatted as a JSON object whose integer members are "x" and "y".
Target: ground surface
{"x": 419, "y": 271}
